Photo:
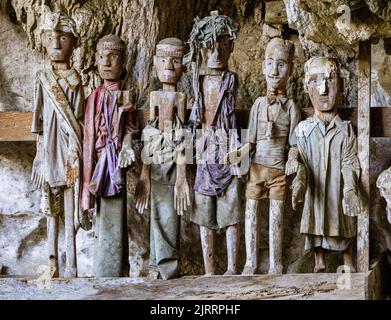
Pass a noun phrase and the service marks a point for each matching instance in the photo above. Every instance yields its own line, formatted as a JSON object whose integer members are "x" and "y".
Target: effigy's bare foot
{"x": 348, "y": 261}
{"x": 276, "y": 270}
{"x": 153, "y": 275}
{"x": 349, "y": 267}
{"x": 249, "y": 271}
{"x": 320, "y": 265}
{"x": 231, "y": 273}
{"x": 319, "y": 268}
{"x": 209, "y": 274}
{"x": 70, "y": 273}
{"x": 52, "y": 272}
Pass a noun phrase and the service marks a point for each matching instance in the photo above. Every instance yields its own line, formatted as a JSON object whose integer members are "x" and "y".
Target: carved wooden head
{"x": 217, "y": 55}
{"x": 211, "y": 43}
{"x": 59, "y": 37}
{"x": 111, "y": 58}
{"x": 277, "y": 66}
{"x": 323, "y": 82}
{"x": 168, "y": 60}
{"x": 59, "y": 45}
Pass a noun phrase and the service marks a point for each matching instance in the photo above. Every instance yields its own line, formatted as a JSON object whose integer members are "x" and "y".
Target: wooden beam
{"x": 16, "y": 126}
{"x": 363, "y": 138}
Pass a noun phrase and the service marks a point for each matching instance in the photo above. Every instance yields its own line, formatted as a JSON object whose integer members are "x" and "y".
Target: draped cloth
{"x": 108, "y": 118}
{"x": 57, "y": 119}
{"x": 107, "y": 179}
{"x": 163, "y": 148}
{"x": 329, "y": 155}
{"x": 107, "y": 121}
{"x": 213, "y": 177}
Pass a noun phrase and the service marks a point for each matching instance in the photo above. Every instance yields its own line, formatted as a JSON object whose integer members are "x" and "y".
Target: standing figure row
{"x": 83, "y": 149}
{"x": 81, "y": 172}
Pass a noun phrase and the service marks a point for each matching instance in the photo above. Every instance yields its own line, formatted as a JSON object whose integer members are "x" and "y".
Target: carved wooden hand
{"x": 292, "y": 165}
{"x": 143, "y": 191}
{"x": 37, "y": 175}
{"x": 298, "y": 192}
{"x": 299, "y": 185}
{"x": 351, "y": 203}
{"x": 126, "y": 156}
{"x": 72, "y": 171}
{"x": 236, "y": 156}
{"x": 181, "y": 196}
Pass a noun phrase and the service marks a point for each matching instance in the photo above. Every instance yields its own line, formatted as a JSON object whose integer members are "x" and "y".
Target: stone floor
{"x": 288, "y": 286}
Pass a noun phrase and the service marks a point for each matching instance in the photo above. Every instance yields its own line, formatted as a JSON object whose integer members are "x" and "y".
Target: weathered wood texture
{"x": 363, "y": 135}
{"x": 16, "y": 126}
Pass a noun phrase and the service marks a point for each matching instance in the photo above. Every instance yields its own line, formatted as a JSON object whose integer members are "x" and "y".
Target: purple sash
{"x": 107, "y": 179}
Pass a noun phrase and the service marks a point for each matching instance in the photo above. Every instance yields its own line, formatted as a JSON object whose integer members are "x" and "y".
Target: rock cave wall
{"x": 315, "y": 27}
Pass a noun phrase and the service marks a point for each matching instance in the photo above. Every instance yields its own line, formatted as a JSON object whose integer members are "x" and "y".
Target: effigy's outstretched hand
{"x": 126, "y": 157}
{"x": 351, "y": 203}
{"x": 143, "y": 191}
{"x": 298, "y": 192}
{"x": 181, "y": 196}
{"x": 72, "y": 170}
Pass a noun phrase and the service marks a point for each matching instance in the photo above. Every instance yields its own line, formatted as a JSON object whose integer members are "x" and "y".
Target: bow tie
{"x": 274, "y": 96}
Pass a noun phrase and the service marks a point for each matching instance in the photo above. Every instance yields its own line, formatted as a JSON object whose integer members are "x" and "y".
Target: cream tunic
{"x": 332, "y": 169}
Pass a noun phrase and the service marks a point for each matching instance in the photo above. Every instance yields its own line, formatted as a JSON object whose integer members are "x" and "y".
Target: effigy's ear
{"x": 184, "y": 68}
{"x": 44, "y": 38}
{"x": 96, "y": 58}
{"x": 305, "y": 85}
{"x": 291, "y": 66}
{"x": 342, "y": 83}
{"x": 77, "y": 42}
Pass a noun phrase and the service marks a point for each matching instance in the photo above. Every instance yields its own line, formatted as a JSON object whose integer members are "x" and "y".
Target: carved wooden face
{"x": 277, "y": 67}
{"x": 169, "y": 69}
{"x": 59, "y": 45}
{"x": 324, "y": 90}
{"x": 110, "y": 64}
{"x": 217, "y": 57}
